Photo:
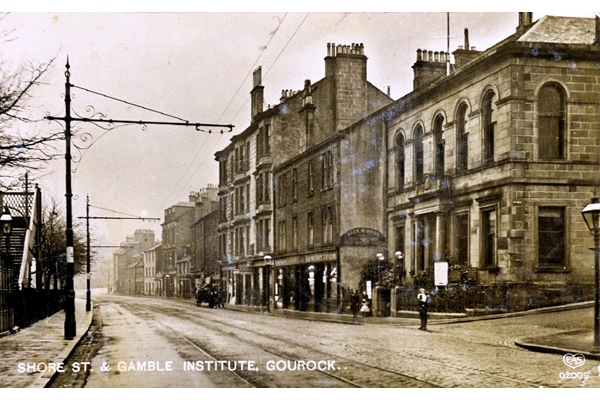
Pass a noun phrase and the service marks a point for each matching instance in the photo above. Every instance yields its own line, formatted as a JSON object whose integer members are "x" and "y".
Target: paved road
{"x": 175, "y": 344}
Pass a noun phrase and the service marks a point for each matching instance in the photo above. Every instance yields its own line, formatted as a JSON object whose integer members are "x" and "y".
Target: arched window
{"x": 439, "y": 145}
{"x": 462, "y": 147}
{"x": 488, "y": 127}
{"x": 419, "y": 157}
{"x": 551, "y": 114}
{"x": 400, "y": 160}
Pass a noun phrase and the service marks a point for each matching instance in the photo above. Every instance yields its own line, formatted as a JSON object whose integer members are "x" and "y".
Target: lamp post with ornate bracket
{"x": 70, "y": 328}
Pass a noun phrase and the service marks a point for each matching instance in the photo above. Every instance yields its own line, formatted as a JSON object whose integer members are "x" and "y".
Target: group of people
{"x": 211, "y": 294}
{"x": 422, "y": 297}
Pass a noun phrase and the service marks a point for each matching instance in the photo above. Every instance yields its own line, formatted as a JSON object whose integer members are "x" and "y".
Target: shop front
{"x": 307, "y": 282}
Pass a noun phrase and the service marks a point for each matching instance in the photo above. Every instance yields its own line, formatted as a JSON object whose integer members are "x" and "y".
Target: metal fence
{"x": 7, "y": 292}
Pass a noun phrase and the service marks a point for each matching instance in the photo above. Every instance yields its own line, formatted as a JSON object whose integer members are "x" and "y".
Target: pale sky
{"x": 197, "y": 66}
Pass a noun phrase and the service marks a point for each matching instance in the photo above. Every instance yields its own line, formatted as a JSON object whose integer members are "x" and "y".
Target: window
{"x": 400, "y": 168}
{"x": 294, "y": 184}
{"x": 488, "y": 127}
{"x": 327, "y": 170}
{"x": 223, "y": 172}
{"x": 462, "y": 147}
{"x": 311, "y": 229}
{"x": 311, "y": 177}
{"x": 438, "y": 127}
{"x": 281, "y": 190}
{"x": 327, "y": 220}
{"x": 281, "y": 236}
{"x": 400, "y": 240}
{"x": 263, "y": 228}
{"x": 222, "y": 209}
{"x": 551, "y": 122}
{"x": 294, "y": 232}
{"x": 263, "y": 187}
{"x": 263, "y": 141}
{"x": 242, "y": 152}
{"x": 488, "y": 232}
{"x": 419, "y": 160}
{"x": 551, "y": 236}
{"x": 462, "y": 238}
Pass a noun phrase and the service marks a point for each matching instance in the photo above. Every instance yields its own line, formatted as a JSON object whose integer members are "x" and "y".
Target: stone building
{"x": 245, "y": 221}
{"x": 326, "y": 223}
{"x": 484, "y": 168}
{"x": 176, "y": 248}
{"x": 205, "y": 253}
{"x": 489, "y": 166}
{"x": 152, "y": 266}
{"x": 124, "y": 261}
{"x": 281, "y": 188}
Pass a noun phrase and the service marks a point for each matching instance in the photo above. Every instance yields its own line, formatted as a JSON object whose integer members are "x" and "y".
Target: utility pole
{"x": 88, "y": 297}
{"x": 70, "y": 323}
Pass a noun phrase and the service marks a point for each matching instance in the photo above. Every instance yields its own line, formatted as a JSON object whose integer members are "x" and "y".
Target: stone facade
{"x": 490, "y": 166}
{"x": 484, "y": 166}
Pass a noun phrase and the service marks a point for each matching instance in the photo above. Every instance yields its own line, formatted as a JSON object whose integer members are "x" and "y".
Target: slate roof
{"x": 552, "y": 29}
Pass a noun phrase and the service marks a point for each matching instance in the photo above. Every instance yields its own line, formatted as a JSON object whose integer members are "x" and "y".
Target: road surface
{"x": 148, "y": 342}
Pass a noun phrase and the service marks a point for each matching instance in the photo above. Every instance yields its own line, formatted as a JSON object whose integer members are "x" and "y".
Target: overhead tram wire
{"x": 274, "y": 61}
{"x": 225, "y": 110}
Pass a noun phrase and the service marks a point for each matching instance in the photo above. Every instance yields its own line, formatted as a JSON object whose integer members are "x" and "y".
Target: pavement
{"x": 38, "y": 348}
{"x": 43, "y": 345}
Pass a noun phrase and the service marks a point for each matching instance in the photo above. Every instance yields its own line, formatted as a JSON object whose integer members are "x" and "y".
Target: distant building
{"x": 152, "y": 265}
{"x": 176, "y": 247}
{"x": 205, "y": 240}
{"x": 124, "y": 280}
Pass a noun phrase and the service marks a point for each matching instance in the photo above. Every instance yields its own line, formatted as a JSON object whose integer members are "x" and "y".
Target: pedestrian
{"x": 364, "y": 309}
{"x": 354, "y": 300}
{"x": 423, "y": 299}
{"x": 220, "y": 298}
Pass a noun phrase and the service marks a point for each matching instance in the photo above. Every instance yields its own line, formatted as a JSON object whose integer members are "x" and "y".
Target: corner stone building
{"x": 490, "y": 166}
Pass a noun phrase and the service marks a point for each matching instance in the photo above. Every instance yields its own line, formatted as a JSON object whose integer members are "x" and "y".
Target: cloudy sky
{"x": 197, "y": 66}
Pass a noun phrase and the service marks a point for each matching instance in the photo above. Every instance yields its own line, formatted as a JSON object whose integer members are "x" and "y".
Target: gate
{"x": 7, "y": 293}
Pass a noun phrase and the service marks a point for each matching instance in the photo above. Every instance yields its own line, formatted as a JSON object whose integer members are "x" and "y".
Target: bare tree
{"x": 55, "y": 242}
{"x": 21, "y": 148}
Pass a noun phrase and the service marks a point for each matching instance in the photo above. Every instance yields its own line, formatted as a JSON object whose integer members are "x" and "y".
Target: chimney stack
{"x": 257, "y": 93}
{"x": 525, "y": 20}
{"x": 429, "y": 66}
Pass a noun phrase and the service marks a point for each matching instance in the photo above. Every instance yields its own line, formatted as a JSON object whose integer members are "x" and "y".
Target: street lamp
{"x": 268, "y": 262}
{"x": 380, "y": 259}
{"x": 6, "y": 222}
{"x": 400, "y": 256}
{"x": 591, "y": 216}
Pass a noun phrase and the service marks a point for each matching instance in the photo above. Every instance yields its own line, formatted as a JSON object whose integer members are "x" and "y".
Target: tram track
{"x": 351, "y": 372}
{"x": 355, "y": 372}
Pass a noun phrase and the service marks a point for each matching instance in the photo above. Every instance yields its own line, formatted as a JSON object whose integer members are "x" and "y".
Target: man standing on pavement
{"x": 423, "y": 299}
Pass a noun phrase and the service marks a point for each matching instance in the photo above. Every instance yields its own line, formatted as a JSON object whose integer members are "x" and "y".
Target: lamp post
{"x": 6, "y": 226}
{"x": 6, "y": 221}
{"x": 268, "y": 262}
{"x": 591, "y": 216}
{"x": 400, "y": 256}
{"x": 380, "y": 259}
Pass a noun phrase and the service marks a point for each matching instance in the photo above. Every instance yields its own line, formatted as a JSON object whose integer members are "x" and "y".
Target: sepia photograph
{"x": 313, "y": 198}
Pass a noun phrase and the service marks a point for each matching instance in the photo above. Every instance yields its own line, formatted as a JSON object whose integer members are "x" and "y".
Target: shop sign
{"x": 362, "y": 237}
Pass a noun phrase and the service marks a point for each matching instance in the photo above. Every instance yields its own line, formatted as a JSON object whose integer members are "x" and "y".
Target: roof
{"x": 552, "y": 29}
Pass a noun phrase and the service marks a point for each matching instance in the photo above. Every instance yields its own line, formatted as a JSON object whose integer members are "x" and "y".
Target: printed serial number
{"x": 574, "y": 375}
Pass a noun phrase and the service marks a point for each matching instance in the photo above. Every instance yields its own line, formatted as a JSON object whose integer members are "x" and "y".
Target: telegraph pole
{"x": 70, "y": 323}
{"x": 88, "y": 297}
